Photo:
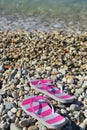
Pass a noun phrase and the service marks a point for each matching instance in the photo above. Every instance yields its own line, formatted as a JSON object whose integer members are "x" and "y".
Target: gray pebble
{"x": 25, "y": 122}
{"x": 4, "y": 125}
{"x": 1, "y": 68}
{"x": 8, "y": 105}
{"x": 12, "y": 75}
{"x": 68, "y": 127}
{"x": 10, "y": 114}
{"x": 2, "y": 92}
{"x": 74, "y": 107}
{"x": 1, "y": 108}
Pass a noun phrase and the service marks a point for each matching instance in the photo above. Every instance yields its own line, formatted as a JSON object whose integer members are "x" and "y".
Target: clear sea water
{"x": 43, "y": 14}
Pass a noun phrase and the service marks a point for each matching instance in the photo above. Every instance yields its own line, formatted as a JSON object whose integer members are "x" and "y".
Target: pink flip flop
{"x": 40, "y": 108}
{"x": 46, "y": 87}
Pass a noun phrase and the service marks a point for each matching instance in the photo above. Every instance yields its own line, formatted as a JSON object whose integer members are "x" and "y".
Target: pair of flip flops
{"x": 40, "y": 108}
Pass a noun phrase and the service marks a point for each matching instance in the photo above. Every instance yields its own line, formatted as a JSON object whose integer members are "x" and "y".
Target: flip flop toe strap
{"x": 37, "y": 99}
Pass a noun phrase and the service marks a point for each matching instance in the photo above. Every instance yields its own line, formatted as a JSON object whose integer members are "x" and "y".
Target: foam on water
{"x": 59, "y": 12}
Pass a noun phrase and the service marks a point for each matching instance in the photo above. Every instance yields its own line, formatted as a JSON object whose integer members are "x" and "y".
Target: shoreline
{"x": 42, "y": 23}
{"x": 59, "y": 56}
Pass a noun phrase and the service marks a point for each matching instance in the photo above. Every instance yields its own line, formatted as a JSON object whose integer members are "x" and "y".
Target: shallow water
{"x": 45, "y": 14}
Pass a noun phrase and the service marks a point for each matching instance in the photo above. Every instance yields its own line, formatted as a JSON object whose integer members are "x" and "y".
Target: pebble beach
{"x": 56, "y": 55}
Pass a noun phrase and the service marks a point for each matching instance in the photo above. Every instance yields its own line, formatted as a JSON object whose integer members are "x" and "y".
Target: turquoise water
{"x": 67, "y": 11}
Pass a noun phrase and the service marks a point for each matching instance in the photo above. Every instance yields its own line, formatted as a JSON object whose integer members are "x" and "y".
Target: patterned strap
{"x": 48, "y": 83}
{"x": 35, "y": 99}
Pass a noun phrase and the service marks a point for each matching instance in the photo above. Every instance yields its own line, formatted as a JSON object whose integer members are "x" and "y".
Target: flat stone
{"x": 13, "y": 126}
{"x": 74, "y": 107}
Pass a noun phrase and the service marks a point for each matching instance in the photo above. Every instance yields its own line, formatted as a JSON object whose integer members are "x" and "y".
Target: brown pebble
{"x": 18, "y": 113}
{"x": 33, "y": 127}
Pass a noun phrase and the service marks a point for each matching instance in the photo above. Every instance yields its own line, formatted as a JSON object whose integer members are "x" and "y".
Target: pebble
{"x": 84, "y": 85}
{"x": 8, "y": 105}
{"x": 40, "y": 126}
{"x": 83, "y": 125}
{"x": 0, "y": 99}
{"x": 25, "y": 123}
{"x": 14, "y": 94}
{"x": 18, "y": 75}
{"x": 1, "y": 68}
{"x": 1, "y": 108}
{"x": 58, "y": 56}
{"x": 4, "y": 125}
{"x": 25, "y": 128}
{"x": 62, "y": 71}
{"x": 10, "y": 114}
{"x": 79, "y": 91}
{"x": 85, "y": 113}
{"x": 2, "y": 92}
{"x": 13, "y": 126}
{"x": 74, "y": 107}
{"x": 14, "y": 110}
{"x": 18, "y": 113}
{"x": 33, "y": 127}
